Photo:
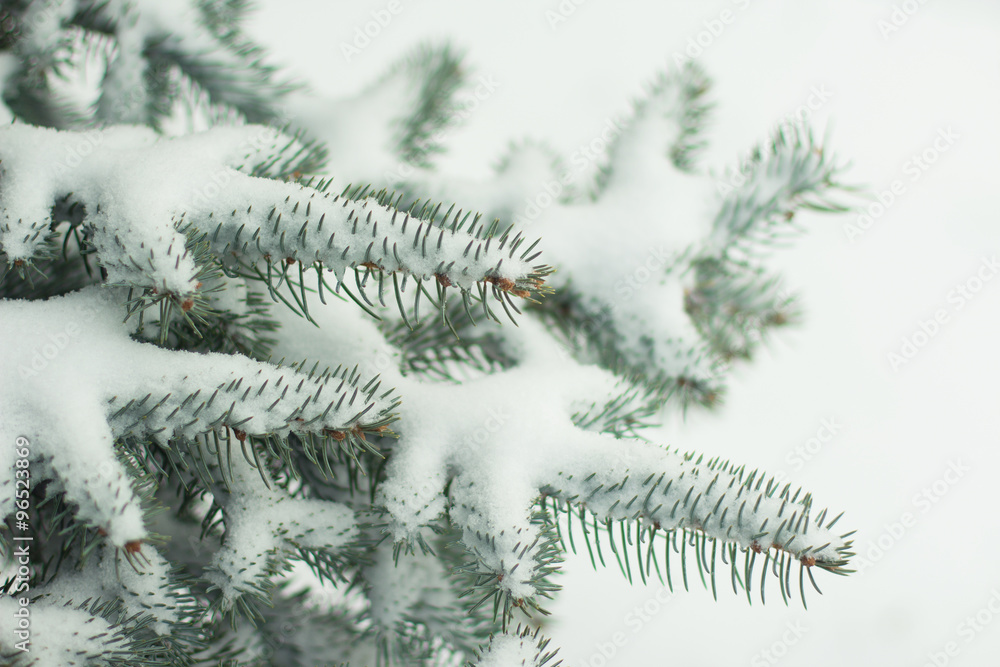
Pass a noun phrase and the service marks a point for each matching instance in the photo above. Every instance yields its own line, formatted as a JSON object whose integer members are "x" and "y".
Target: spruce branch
{"x": 666, "y": 122}
{"x": 257, "y": 227}
{"x": 395, "y": 125}
{"x": 262, "y": 524}
{"x": 149, "y": 41}
{"x": 191, "y": 499}
{"x": 439, "y": 74}
{"x": 686, "y": 292}
{"x": 150, "y": 393}
{"x": 308, "y": 228}
{"x": 73, "y": 624}
{"x": 791, "y": 173}
{"x": 415, "y": 604}
{"x": 521, "y": 647}
{"x": 444, "y": 466}
{"x": 734, "y": 304}
{"x": 717, "y": 506}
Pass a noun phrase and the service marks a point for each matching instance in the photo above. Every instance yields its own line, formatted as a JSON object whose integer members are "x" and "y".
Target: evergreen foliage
{"x": 261, "y": 431}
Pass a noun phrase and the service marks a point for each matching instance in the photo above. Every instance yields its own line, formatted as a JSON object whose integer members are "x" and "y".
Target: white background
{"x": 901, "y": 429}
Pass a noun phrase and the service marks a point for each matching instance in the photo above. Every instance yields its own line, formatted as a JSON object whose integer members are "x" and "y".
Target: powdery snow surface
{"x": 357, "y": 127}
{"x": 64, "y": 632}
{"x": 259, "y": 520}
{"x": 60, "y": 636}
{"x": 130, "y": 194}
{"x": 509, "y": 650}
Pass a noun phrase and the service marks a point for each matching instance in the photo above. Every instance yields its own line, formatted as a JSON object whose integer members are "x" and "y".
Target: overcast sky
{"x": 911, "y": 448}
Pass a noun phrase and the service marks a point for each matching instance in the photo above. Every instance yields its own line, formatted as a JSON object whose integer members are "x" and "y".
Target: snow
{"x": 109, "y": 576}
{"x": 356, "y": 127}
{"x": 509, "y": 650}
{"x": 479, "y": 435}
{"x": 397, "y": 589}
{"x": 613, "y": 249}
{"x": 110, "y": 174}
{"x": 8, "y": 66}
{"x": 137, "y": 189}
{"x": 79, "y": 341}
{"x": 48, "y": 348}
{"x": 260, "y": 524}
{"x": 61, "y": 636}
{"x": 889, "y": 96}
{"x": 44, "y": 22}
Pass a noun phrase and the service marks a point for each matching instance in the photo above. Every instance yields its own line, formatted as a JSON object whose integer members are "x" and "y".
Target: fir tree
{"x": 238, "y": 340}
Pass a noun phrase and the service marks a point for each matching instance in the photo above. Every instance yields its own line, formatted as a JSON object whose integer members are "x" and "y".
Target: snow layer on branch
{"x": 109, "y": 576}
{"x": 130, "y": 184}
{"x": 299, "y": 224}
{"x": 260, "y": 524}
{"x": 89, "y": 616}
{"x": 60, "y": 636}
{"x": 508, "y": 651}
{"x": 52, "y": 358}
{"x": 476, "y": 437}
{"x": 82, "y": 382}
{"x": 519, "y": 649}
{"x": 481, "y": 432}
{"x": 627, "y": 255}
{"x": 357, "y": 130}
{"x": 527, "y": 179}
{"x": 137, "y": 190}
{"x": 623, "y": 253}
{"x": 719, "y": 500}
{"x": 380, "y": 135}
